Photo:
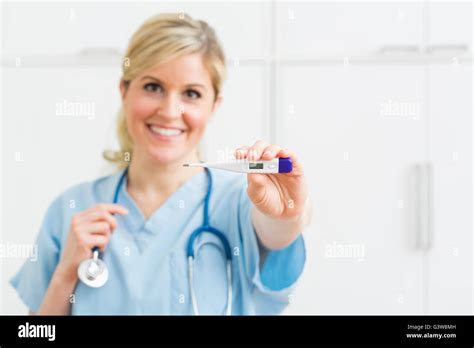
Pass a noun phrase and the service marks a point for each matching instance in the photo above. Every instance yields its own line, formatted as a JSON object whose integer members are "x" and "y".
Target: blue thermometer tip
{"x": 285, "y": 165}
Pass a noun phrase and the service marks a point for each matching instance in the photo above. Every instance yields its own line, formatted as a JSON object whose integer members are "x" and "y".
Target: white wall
{"x": 322, "y": 78}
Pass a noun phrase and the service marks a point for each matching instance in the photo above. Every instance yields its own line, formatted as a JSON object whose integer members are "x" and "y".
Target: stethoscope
{"x": 93, "y": 272}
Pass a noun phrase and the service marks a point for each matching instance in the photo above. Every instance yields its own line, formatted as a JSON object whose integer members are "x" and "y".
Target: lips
{"x": 165, "y": 133}
{"x": 165, "y": 130}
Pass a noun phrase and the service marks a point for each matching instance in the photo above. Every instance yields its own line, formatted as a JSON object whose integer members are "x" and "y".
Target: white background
{"x": 315, "y": 77}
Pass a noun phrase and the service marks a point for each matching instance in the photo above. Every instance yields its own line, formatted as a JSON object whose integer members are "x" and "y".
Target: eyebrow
{"x": 158, "y": 80}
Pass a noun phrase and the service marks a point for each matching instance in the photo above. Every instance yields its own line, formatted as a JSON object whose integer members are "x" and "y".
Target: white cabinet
{"x": 450, "y": 287}
{"x": 362, "y": 127}
{"x": 358, "y": 151}
{"x": 70, "y": 27}
{"x": 449, "y": 23}
{"x": 243, "y": 116}
{"x": 321, "y": 28}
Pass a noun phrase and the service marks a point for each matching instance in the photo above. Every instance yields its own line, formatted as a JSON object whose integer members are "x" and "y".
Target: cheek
{"x": 140, "y": 108}
{"x": 196, "y": 120}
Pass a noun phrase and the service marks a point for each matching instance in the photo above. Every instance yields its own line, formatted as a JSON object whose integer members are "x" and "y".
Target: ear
{"x": 217, "y": 104}
{"x": 123, "y": 88}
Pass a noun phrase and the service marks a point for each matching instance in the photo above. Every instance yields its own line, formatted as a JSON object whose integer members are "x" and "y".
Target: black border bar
{"x": 287, "y": 330}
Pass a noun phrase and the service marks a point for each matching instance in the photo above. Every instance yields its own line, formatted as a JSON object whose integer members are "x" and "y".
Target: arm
{"x": 88, "y": 229}
{"x": 57, "y": 298}
{"x": 281, "y": 205}
{"x": 279, "y": 233}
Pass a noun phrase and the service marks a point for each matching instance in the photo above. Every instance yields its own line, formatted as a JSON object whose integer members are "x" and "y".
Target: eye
{"x": 152, "y": 87}
{"x": 193, "y": 94}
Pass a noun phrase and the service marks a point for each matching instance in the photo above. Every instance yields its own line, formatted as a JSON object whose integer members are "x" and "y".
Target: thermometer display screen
{"x": 255, "y": 165}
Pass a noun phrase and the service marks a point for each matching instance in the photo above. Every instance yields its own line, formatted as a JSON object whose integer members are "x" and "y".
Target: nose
{"x": 170, "y": 107}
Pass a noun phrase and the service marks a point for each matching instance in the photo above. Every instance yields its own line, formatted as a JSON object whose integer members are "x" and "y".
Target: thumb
{"x": 256, "y": 187}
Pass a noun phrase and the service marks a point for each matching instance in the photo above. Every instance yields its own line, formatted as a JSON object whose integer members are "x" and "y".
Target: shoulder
{"x": 81, "y": 195}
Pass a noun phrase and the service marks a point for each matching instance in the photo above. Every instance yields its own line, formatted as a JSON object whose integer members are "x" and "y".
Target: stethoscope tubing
{"x": 190, "y": 250}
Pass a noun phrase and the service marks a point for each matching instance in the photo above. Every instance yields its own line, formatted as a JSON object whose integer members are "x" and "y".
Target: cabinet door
{"x": 318, "y": 28}
{"x": 242, "y": 118}
{"x": 450, "y": 266}
{"x": 449, "y": 24}
{"x": 358, "y": 130}
{"x": 69, "y": 27}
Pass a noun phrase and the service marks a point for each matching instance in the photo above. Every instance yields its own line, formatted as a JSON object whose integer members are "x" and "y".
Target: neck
{"x": 149, "y": 177}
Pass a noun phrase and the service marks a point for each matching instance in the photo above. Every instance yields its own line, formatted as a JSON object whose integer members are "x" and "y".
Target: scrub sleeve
{"x": 275, "y": 280}
{"x": 32, "y": 280}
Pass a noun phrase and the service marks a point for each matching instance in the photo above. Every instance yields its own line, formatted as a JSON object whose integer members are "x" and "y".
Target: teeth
{"x": 165, "y": 131}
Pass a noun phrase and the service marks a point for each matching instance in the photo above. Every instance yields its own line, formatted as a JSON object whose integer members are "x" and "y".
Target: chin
{"x": 164, "y": 155}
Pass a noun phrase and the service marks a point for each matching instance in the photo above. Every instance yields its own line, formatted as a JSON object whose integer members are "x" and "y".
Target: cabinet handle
{"x": 99, "y": 52}
{"x": 448, "y": 48}
{"x": 424, "y": 205}
{"x": 399, "y": 49}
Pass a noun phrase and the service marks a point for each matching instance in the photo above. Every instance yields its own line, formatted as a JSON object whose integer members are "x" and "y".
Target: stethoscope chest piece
{"x": 93, "y": 272}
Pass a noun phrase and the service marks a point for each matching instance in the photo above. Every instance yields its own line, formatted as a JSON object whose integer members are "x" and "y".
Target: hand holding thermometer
{"x": 274, "y": 166}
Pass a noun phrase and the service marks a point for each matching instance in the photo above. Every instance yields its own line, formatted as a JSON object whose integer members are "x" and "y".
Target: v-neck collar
{"x": 186, "y": 196}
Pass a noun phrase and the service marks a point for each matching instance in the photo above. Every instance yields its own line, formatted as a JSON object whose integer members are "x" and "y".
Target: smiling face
{"x": 168, "y": 108}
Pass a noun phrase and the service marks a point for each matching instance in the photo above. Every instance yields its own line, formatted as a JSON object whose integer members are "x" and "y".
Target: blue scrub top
{"x": 147, "y": 258}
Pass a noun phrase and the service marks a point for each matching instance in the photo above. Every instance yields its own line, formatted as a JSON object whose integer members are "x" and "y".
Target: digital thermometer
{"x": 274, "y": 166}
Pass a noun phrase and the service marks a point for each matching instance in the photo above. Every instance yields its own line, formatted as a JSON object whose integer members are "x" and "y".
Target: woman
{"x": 171, "y": 84}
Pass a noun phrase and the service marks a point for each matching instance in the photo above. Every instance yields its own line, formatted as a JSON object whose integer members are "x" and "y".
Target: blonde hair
{"x": 162, "y": 38}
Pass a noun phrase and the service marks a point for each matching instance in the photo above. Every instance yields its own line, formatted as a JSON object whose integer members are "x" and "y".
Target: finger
{"x": 112, "y": 208}
{"x": 256, "y": 188}
{"x": 270, "y": 152}
{"x": 102, "y": 228}
{"x": 101, "y": 215}
{"x": 284, "y": 152}
{"x": 255, "y": 152}
{"x": 241, "y": 152}
{"x": 96, "y": 240}
{"x": 297, "y": 165}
